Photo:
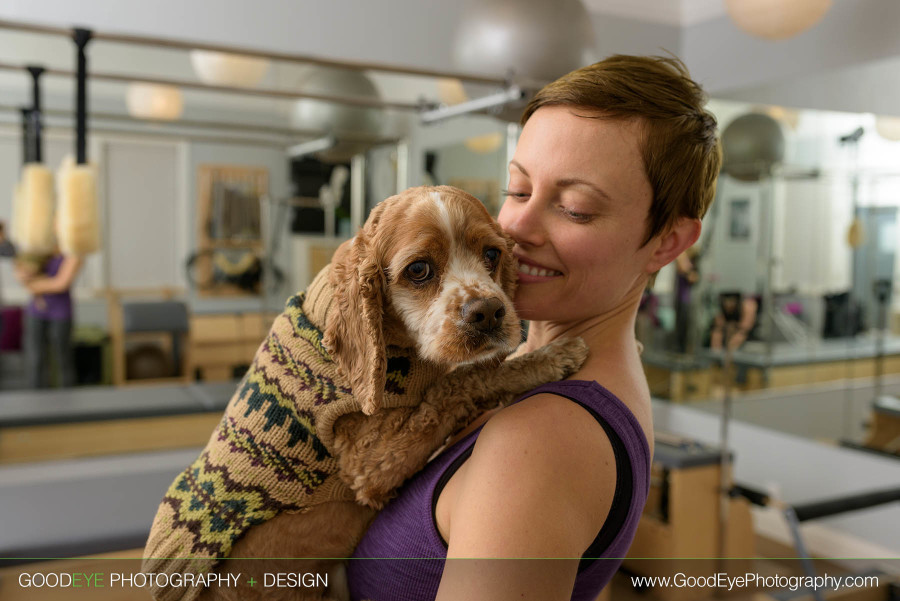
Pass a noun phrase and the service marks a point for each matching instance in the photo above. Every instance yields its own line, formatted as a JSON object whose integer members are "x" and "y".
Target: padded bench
{"x": 83, "y": 506}
{"x": 89, "y": 421}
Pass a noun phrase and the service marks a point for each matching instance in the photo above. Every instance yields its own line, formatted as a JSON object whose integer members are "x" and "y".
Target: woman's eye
{"x": 491, "y": 256}
{"x": 419, "y": 272}
{"x": 576, "y": 216}
{"x": 515, "y": 194}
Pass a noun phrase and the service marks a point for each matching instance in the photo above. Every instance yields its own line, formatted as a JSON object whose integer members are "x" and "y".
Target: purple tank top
{"x": 57, "y": 306}
{"x": 401, "y": 557}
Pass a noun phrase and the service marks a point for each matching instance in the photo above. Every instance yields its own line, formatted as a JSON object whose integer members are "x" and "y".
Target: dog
{"x": 394, "y": 347}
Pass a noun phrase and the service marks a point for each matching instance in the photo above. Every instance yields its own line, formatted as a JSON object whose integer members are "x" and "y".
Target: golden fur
{"x": 376, "y": 304}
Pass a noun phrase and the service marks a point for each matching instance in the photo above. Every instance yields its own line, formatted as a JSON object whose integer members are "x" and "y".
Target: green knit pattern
{"x": 265, "y": 457}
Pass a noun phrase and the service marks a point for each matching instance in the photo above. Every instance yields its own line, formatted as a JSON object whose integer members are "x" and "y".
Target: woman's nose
{"x": 523, "y": 221}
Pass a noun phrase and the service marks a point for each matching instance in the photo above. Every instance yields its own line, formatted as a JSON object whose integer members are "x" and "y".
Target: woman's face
{"x": 577, "y": 209}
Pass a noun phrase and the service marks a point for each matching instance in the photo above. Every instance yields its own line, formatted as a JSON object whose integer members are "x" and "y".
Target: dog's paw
{"x": 563, "y": 356}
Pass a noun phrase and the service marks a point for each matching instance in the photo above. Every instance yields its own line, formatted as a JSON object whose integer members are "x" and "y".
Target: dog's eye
{"x": 419, "y": 272}
{"x": 491, "y": 256}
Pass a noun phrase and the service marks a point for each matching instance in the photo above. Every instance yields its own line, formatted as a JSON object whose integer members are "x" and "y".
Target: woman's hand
{"x": 23, "y": 274}
{"x": 60, "y": 282}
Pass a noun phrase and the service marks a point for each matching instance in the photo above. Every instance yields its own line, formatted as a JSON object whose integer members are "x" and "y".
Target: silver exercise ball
{"x": 751, "y": 145}
{"x": 530, "y": 38}
{"x": 338, "y": 118}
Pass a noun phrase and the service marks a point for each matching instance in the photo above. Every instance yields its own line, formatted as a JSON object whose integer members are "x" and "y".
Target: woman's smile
{"x": 531, "y": 272}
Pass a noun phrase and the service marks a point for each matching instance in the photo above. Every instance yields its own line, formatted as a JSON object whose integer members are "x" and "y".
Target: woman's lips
{"x": 530, "y": 272}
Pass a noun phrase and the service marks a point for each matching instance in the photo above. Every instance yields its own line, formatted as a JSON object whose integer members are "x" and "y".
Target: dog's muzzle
{"x": 483, "y": 315}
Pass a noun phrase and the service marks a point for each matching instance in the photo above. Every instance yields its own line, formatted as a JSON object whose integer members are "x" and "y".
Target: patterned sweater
{"x": 272, "y": 451}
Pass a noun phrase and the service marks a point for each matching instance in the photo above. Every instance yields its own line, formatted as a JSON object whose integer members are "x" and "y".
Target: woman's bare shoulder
{"x": 542, "y": 462}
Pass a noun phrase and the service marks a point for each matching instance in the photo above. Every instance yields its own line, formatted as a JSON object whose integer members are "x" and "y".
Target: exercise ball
{"x": 335, "y": 118}
{"x": 530, "y": 38}
{"x": 751, "y": 145}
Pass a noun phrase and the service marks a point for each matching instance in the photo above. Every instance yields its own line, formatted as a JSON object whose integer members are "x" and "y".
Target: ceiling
{"x": 726, "y": 61}
{"x": 681, "y": 13}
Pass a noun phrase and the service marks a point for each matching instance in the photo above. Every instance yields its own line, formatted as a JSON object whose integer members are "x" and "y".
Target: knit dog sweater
{"x": 272, "y": 452}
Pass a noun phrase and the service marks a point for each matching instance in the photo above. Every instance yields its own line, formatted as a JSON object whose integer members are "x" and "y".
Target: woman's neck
{"x": 608, "y": 331}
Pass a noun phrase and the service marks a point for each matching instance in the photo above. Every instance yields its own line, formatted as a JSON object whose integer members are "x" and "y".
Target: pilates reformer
{"x": 680, "y": 528}
{"x": 796, "y": 514}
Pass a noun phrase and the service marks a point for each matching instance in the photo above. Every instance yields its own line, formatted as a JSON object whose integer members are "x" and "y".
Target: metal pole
{"x": 217, "y": 125}
{"x": 27, "y": 151}
{"x": 266, "y": 257}
{"x": 357, "y": 192}
{"x": 725, "y": 459}
{"x": 511, "y": 94}
{"x": 35, "y": 114}
{"x": 266, "y": 92}
{"x": 805, "y": 559}
{"x": 81, "y": 37}
{"x": 402, "y": 165}
{"x": 278, "y": 56}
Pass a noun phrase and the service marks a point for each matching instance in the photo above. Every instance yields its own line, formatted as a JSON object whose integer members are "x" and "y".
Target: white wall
{"x": 142, "y": 209}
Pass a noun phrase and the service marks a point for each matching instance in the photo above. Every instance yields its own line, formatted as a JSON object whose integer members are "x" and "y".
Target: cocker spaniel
{"x": 393, "y": 348}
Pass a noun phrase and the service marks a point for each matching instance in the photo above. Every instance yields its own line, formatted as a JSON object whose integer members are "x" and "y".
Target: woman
{"x": 48, "y": 319}
{"x": 615, "y": 166}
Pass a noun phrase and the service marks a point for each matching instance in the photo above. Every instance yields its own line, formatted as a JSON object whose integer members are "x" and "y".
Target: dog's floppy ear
{"x": 353, "y": 334}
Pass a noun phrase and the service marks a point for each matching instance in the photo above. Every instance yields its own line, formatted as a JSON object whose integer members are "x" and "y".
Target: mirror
{"x": 799, "y": 271}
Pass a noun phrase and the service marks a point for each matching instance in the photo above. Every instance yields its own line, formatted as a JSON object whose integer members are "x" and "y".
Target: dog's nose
{"x": 484, "y": 314}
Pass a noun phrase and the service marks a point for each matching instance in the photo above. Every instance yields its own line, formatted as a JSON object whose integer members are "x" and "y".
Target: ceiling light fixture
{"x": 776, "y": 19}
{"x": 154, "y": 101}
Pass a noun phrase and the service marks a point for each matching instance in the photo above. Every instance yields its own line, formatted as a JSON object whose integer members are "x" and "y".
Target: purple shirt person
{"x": 48, "y": 319}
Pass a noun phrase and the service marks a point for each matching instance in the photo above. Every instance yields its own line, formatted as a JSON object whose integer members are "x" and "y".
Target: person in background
{"x": 736, "y": 319}
{"x": 7, "y": 249}
{"x": 48, "y": 319}
{"x": 686, "y": 276}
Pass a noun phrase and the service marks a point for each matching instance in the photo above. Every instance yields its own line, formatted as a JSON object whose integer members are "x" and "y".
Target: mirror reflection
{"x": 793, "y": 277}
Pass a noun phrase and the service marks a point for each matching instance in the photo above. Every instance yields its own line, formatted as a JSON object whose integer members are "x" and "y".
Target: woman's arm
{"x": 748, "y": 320}
{"x": 715, "y": 335}
{"x": 60, "y": 282}
{"x": 538, "y": 485}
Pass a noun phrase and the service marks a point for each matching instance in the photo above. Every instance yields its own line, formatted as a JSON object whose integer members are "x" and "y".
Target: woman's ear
{"x": 672, "y": 243}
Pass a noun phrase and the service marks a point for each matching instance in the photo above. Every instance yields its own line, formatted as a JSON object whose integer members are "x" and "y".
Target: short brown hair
{"x": 680, "y": 149}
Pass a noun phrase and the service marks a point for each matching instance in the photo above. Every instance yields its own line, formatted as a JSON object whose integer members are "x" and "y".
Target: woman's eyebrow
{"x": 569, "y": 181}
{"x": 574, "y": 181}
{"x": 518, "y": 166}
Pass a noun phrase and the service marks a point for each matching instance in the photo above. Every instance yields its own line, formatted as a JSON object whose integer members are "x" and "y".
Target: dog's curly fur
{"x": 376, "y": 305}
